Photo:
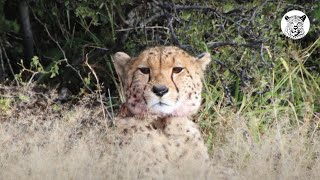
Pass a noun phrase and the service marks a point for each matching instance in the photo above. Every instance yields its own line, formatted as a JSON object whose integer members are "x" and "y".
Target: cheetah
{"x": 294, "y": 28}
{"x": 162, "y": 81}
{"x": 162, "y": 88}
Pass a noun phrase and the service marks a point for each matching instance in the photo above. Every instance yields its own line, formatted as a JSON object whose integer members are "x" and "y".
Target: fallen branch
{"x": 255, "y": 44}
{"x": 219, "y": 44}
{"x": 145, "y": 27}
{"x": 173, "y": 7}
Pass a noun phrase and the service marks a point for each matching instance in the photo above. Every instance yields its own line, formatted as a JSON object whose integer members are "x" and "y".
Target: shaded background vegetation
{"x": 66, "y": 32}
{"x": 72, "y": 43}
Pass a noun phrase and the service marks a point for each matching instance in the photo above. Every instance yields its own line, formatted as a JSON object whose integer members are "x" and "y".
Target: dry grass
{"x": 45, "y": 140}
{"x": 282, "y": 152}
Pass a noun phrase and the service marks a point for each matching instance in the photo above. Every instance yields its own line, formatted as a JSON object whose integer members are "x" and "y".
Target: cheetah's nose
{"x": 160, "y": 90}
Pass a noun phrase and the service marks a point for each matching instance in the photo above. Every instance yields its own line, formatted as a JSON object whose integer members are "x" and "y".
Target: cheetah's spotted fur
{"x": 157, "y": 131}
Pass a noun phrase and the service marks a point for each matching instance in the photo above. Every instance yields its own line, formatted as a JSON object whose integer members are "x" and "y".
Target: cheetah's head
{"x": 294, "y": 28}
{"x": 162, "y": 81}
{"x": 295, "y": 22}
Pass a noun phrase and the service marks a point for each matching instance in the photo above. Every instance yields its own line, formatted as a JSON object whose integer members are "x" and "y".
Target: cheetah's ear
{"x": 287, "y": 18}
{"x": 120, "y": 60}
{"x": 204, "y": 59}
{"x": 303, "y": 17}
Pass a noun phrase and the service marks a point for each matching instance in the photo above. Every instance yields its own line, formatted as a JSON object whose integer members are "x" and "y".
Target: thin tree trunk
{"x": 27, "y": 31}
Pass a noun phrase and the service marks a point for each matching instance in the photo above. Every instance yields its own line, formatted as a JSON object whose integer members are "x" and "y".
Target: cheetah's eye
{"x": 177, "y": 70}
{"x": 144, "y": 70}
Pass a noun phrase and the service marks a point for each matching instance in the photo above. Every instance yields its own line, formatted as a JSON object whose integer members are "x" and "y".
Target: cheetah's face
{"x": 295, "y": 25}
{"x": 162, "y": 81}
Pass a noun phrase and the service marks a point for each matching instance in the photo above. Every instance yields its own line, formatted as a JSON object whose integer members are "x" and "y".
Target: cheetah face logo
{"x": 162, "y": 81}
{"x": 294, "y": 28}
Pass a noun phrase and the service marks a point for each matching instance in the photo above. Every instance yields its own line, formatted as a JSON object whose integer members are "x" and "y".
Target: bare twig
{"x": 63, "y": 52}
{"x": 30, "y": 80}
{"x": 257, "y": 9}
{"x": 254, "y": 44}
{"x": 2, "y": 70}
{"x": 170, "y": 7}
{"x": 96, "y": 52}
{"x": 34, "y": 73}
{"x": 261, "y": 54}
{"x": 99, "y": 90}
{"x": 146, "y": 27}
{"x": 219, "y": 44}
{"x": 54, "y": 40}
{"x": 9, "y": 64}
{"x": 150, "y": 19}
{"x": 174, "y": 37}
{"x": 173, "y": 34}
{"x": 111, "y": 106}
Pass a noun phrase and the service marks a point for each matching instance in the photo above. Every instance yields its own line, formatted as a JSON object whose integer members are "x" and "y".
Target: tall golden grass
{"x": 45, "y": 140}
